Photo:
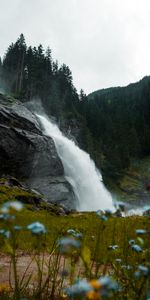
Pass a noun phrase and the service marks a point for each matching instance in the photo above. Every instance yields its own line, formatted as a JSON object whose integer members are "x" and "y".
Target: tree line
{"x": 114, "y": 122}
{"x": 30, "y": 72}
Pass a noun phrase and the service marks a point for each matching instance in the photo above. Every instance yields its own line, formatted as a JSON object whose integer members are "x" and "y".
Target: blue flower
{"x": 80, "y": 288}
{"x": 144, "y": 270}
{"x": 6, "y": 217}
{"x": 71, "y": 231}
{"x": 137, "y": 274}
{"x": 137, "y": 248}
{"x": 108, "y": 284}
{"x": 37, "y": 228}
{"x": 16, "y": 205}
{"x": 103, "y": 218}
{"x": 131, "y": 242}
{"x": 5, "y": 233}
{"x": 66, "y": 244}
{"x": 101, "y": 215}
{"x": 141, "y": 231}
{"x": 113, "y": 247}
{"x": 17, "y": 228}
{"x": 78, "y": 235}
{"x": 75, "y": 233}
{"x": 127, "y": 267}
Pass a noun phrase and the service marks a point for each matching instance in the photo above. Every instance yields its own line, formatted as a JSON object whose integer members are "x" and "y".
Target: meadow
{"x": 76, "y": 256}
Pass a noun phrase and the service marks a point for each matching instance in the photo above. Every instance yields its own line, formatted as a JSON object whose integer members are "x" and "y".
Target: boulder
{"x": 30, "y": 156}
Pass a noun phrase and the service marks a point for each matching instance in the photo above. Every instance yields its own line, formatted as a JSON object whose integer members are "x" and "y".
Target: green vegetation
{"x": 12, "y": 193}
{"x": 111, "y": 254}
{"x": 115, "y": 130}
{"x": 133, "y": 186}
{"x": 87, "y": 223}
{"x": 114, "y": 123}
{"x": 119, "y": 120}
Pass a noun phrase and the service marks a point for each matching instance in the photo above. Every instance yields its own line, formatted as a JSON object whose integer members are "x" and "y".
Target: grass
{"x": 114, "y": 231}
{"x": 102, "y": 246}
{"x": 7, "y": 192}
{"x": 98, "y": 236}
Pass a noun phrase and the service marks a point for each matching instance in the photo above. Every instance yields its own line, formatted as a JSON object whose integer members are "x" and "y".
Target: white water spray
{"x": 80, "y": 171}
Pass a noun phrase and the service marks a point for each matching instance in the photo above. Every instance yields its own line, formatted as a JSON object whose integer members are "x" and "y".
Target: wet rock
{"x": 55, "y": 189}
{"x": 27, "y": 154}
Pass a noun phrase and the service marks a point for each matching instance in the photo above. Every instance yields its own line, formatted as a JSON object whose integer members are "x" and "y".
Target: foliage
{"x": 94, "y": 258}
{"x": 118, "y": 119}
{"x": 30, "y": 73}
{"x": 114, "y": 122}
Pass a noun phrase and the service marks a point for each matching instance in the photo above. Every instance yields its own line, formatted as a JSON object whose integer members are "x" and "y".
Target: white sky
{"x": 104, "y": 42}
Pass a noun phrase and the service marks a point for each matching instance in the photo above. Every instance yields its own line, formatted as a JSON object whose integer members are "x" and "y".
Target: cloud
{"x": 104, "y": 42}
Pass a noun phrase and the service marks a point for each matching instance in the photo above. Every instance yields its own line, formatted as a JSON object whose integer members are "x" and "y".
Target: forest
{"x": 114, "y": 122}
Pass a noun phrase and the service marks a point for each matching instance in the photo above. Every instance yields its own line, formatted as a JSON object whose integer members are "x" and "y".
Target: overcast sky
{"x": 104, "y": 42}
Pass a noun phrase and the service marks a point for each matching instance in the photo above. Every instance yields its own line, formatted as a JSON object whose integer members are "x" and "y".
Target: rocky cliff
{"x": 29, "y": 155}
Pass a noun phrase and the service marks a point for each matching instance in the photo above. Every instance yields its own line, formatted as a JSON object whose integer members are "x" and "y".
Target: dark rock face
{"x": 72, "y": 129}
{"x": 29, "y": 155}
{"x": 60, "y": 189}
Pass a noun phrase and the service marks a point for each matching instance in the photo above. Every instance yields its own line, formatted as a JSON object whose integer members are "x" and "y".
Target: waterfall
{"x": 80, "y": 171}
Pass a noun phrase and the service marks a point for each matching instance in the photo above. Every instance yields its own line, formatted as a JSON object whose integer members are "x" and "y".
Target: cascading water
{"x": 80, "y": 171}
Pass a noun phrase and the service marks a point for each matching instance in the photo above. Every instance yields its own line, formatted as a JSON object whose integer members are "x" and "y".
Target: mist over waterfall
{"x": 80, "y": 171}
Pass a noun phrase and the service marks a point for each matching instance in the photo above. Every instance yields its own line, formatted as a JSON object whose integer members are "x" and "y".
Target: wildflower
{"x": 144, "y": 270}
{"x": 103, "y": 218}
{"x": 75, "y": 233}
{"x": 113, "y": 247}
{"x": 99, "y": 212}
{"x": 95, "y": 284}
{"x": 4, "y": 288}
{"x": 82, "y": 287}
{"x": 141, "y": 231}
{"x": 37, "y": 228}
{"x": 78, "y": 235}
{"x": 131, "y": 242}
{"x": 71, "y": 231}
{"x": 15, "y": 205}
{"x": 118, "y": 260}
{"x": 137, "y": 274}
{"x": 108, "y": 284}
{"x": 66, "y": 244}
{"x": 6, "y": 217}
{"x": 101, "y": 215}
{"x": 5, "y": 233}
{"x": 17, "y": 228}
{"x": 93, "y": 295}
{"x": 127, "y": 267}
{"x": 136, "y": 248}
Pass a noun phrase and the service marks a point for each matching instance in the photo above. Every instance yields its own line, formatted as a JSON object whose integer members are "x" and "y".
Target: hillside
{"x": 118, "y": 119}
{"x": 112, "y": 125}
